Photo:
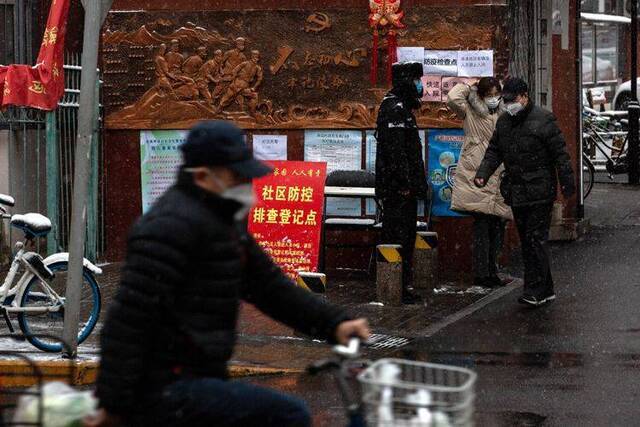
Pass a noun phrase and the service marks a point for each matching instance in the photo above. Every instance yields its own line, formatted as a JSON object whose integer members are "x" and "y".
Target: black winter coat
{"x": 188, "y": 266}
{"x": 399, "y": 163}
{"x": 534, "y": 154}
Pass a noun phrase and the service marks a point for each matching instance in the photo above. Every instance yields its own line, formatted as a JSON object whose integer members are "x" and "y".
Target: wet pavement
{"x": 575, "y": 362}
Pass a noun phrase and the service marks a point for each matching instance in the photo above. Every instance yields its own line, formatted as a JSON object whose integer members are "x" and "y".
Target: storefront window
{"x": 599, "y": 53}
{"x": 602, "y": 6}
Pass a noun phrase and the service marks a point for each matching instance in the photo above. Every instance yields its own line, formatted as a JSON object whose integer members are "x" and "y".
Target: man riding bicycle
{"x": 172, "y": 327}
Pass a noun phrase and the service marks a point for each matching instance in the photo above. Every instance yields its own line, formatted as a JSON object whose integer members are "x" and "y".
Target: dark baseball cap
{"x": 220, "y": 143}
{"x": 513, "y": 87}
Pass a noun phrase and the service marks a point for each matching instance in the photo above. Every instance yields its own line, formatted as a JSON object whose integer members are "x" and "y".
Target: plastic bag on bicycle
{"x": 62, "y": 406}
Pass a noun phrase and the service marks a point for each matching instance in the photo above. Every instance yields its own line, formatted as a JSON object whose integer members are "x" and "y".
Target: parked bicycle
{"x": 399, "y": 393}
{"x": 37, "y": 297}
{"x": 604, "y": 134}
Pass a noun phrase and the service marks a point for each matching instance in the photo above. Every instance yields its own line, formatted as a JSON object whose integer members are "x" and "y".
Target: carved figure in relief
{"x": 210, "y": 72}
{"x": 163, "y": 88}
{"x": 234, "y": 57}
{"x": 164, "y": 77}
{"x": 247, "y": 77}
{"x": 192, "y": 65}
{"x": 175, "y": 58}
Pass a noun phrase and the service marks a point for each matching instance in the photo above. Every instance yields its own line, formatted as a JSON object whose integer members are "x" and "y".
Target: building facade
{"x": 292, "y": 67}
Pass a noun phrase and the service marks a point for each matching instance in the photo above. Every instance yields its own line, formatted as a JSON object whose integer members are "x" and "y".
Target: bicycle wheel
{"x": 588, "y": 175}
{"x": 51, "y": 323}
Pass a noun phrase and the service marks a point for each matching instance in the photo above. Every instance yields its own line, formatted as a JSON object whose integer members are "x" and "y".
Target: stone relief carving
{"x": 184, "y": 74}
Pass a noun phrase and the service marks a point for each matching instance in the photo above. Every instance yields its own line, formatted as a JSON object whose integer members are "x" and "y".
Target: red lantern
{"x": 385, "y": 15}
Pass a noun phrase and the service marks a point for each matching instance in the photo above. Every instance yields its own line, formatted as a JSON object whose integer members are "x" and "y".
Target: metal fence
{"x": 38, "y": 165}
{"x": 66, "y": 117}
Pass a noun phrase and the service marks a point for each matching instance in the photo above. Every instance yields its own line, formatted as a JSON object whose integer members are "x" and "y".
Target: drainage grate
{"x": 379, "y": 341}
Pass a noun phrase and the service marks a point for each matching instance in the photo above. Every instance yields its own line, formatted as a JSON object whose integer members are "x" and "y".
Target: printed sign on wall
{"x": 270, "y": 147}
{"x": 441, "y": 62}
{"x": 475, "y": 63}
{"x": 160, "y": 160}
{"x": 287, "y": 218}
{"x": 444, "y": 153}
{"x": 341, "y": 150}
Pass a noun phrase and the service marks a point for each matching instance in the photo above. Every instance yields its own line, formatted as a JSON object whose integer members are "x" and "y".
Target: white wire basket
{"x": 402, "y": 393}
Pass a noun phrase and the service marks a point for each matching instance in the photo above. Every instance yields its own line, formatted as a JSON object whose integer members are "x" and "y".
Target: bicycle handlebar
{"x": 343, "y": 353}
{"x": 350, "y": 351}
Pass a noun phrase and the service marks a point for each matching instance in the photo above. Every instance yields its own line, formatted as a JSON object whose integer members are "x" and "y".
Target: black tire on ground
{"x": 588, "y": 175}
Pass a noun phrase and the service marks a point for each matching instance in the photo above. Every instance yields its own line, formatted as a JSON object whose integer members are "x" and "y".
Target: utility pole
{"x": 634, "y": 107}
{"x": 95, "y": 11}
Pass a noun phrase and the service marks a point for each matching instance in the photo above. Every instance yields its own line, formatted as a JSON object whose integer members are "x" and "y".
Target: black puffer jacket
{"x": 399, "y": 163}
{"x": 188, "y": 266}
{"x": 534, "y": 154}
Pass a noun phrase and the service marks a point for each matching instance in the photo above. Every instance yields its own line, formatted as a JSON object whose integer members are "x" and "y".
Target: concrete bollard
{"x": 312, "y": 282}
{"x": 389, "y": 274}
{"x": 425, "y": 261}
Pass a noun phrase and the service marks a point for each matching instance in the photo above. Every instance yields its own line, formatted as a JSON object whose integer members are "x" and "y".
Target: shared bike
{"x": 34, "y": 288}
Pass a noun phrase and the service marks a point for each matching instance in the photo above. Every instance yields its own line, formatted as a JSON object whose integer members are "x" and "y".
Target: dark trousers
{"x": 533, "y": 224}
{"x": 488, "y": 235}
{"x": 209, "y": 402}
{"x": 399, "y": 216}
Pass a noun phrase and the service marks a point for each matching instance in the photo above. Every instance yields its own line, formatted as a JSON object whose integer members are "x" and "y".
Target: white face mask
{"x": 514, "y": 108}
{"x": 492, "y": 102}
{"x": 242, "y": 194}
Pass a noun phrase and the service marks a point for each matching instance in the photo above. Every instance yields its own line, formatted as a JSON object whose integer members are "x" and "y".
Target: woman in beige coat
{"x": 480, "y": 106}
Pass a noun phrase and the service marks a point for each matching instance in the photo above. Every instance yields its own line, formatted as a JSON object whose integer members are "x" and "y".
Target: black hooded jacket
{"x": 534, "y": 154}
{"x": 188, "y": 265}
{"x": 399, "y": 161}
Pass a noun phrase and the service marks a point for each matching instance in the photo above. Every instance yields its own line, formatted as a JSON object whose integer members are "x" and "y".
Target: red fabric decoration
{"x": 374, "y": 59}
{"x": 385, "y": 14}
{"x": 42, "y": 85}
{"x": 392, "y": 53}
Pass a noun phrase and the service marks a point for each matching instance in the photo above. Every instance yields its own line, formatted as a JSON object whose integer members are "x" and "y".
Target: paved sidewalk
{"x": 572, "y": 363}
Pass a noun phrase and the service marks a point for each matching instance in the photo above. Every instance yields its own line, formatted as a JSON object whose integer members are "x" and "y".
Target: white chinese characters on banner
{"x": 475, "y": 63}
{"x": 270, "y": 147}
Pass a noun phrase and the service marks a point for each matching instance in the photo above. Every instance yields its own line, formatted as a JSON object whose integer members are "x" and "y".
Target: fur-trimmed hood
{"x": 480, "y": 106}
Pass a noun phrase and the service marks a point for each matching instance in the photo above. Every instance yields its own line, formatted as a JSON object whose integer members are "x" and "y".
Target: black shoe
{"x": 488, "y": 282}
{"x": 535, "y": 301}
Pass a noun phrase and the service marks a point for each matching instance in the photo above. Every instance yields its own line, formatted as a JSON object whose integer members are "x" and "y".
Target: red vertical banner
{"x": 42, "y": 85}
{"x": 287, "y": 219}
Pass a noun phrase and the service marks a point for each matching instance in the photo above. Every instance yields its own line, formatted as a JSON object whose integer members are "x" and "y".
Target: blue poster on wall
{"x": 445, "y": 146}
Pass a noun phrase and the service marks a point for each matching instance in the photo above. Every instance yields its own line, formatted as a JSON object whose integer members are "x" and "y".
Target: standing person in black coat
{"x": 400, "y": 173}
{"x": 531, "y": 146}
{"x": 172, "y": 327}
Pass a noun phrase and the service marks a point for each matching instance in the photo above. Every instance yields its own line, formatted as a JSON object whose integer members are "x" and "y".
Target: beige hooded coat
{"x": 479, "y": 125}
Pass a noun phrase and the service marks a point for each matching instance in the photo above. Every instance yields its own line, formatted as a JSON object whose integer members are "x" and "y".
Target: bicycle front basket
{"x": 446, "y": 392}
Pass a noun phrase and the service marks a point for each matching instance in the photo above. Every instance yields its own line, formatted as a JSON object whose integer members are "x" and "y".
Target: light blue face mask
{"x": 514, "y": 108}
{"x": 419, "y": 87}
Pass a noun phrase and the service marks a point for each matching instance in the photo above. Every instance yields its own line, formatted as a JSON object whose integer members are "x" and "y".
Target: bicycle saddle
{"x": 33, "y": 224}
{"x": 7, "y": 200}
